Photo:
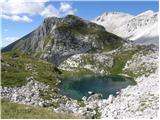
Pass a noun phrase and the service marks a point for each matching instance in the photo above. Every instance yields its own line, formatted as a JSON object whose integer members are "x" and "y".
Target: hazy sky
{"x": 20, "y": 18}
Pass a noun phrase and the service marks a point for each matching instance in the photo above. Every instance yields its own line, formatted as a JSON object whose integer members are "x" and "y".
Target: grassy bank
{"x": 16, "y": 67}
{"x": 18, "y": 111}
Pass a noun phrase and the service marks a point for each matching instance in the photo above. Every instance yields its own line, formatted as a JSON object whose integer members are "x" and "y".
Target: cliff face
{"x": 58, "y": 38}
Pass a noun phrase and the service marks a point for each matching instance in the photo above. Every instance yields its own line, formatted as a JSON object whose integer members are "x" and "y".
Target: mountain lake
{"x": 77, "y": 87}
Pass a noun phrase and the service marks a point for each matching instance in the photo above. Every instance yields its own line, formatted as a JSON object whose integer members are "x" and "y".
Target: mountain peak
{"x": 112, "y": 20}
{"x": 72, "y": 17}
{"x": 50, "y": 19}
{"x": 147, "y": 13}
{"x": 56, "y": 39}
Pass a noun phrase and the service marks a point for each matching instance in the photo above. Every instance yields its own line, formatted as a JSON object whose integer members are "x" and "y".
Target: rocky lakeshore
{"x": 139, "y": 101}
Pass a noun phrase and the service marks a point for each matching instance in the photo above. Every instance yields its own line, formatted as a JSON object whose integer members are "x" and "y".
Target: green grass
{"x": 98, "y": 114}
{"x": 18, "y": 111}
{"x": 38, "y": 53}
{"x": 15, "y": 75}
{"x": 117, "y": 77}
{"x": 81, "y": 103}
{"x": 77, "y": 73}
{"x": 121, "y": 59}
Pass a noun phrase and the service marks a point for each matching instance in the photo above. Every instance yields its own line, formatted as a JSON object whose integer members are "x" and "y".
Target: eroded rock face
{"x": 59, "y": 38}
{"x": 97, "y": 63}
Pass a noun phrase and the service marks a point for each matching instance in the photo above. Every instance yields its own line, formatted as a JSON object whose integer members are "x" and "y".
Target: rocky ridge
{"x": 56, "y": 39}
{"x": 142, "y": 28}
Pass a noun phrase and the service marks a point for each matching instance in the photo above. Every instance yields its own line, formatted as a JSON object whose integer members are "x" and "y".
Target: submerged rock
{"x": 94, "y": 97}
{"x": 90, "y": 93}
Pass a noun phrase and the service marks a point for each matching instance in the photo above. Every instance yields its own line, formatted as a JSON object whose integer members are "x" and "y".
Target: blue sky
{"x": 20, "y": 19}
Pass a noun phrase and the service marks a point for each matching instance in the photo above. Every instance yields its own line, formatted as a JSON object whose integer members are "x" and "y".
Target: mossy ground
{"x": 77, "y": 73}
{"x": 18, "y": 111}
{"x": 16, "y": 73}
{"x": 121, "y": 59}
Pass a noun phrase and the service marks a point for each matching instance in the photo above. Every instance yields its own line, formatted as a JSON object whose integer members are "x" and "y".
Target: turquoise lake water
{"x": 78, "y": 87}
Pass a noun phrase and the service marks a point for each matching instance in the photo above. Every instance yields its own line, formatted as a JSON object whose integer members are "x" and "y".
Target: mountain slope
{"x": 112, "y": 20}
{"x": 58, "y": 38}
{"x": 143, "y": 28}
{"x": 150, "y": 36}
{"x": 20, "y": 66}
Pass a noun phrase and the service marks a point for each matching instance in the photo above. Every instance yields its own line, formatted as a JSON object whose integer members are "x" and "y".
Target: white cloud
{"x": 23, "y": 18}
{"x": 8, "y": 40}
{"x": 22, "y": 1}
{"x": 20, "y": 10}
{"x": 17, "y": 8}
{"x": 50, "y": 11}
{"x": 65, "y": 6}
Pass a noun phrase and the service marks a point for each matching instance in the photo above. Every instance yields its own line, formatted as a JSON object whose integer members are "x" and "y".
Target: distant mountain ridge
{"x": 143, "y": 28}
{"x": 112, "y": 20}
